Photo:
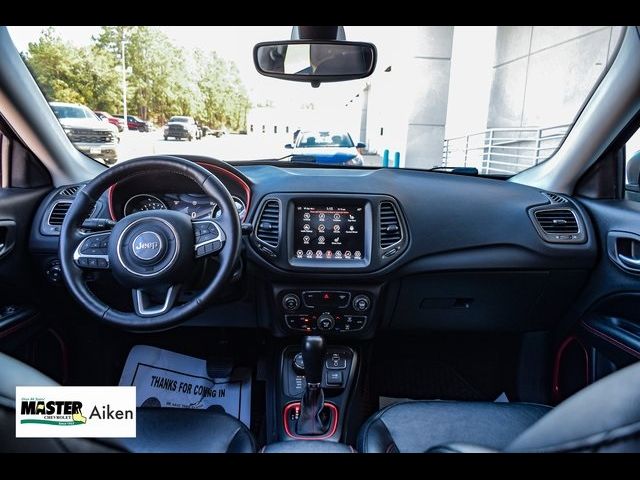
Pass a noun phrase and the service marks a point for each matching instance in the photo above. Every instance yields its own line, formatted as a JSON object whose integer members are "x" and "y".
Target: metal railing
{"x": 503, "y": 150}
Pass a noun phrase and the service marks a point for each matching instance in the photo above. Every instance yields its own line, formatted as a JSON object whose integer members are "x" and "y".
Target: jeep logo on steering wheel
{"x": 147, "y": 245}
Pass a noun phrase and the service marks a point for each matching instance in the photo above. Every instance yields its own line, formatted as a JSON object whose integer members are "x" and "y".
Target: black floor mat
{"x": 445, "y": 366}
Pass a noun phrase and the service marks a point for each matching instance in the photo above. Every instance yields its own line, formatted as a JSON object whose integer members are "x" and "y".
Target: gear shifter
{"x": 311, "y": 421}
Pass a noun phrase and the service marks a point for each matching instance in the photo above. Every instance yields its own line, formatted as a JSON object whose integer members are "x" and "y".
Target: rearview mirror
{"x": 315, "y": 61}
{"x": 288, "y": 145}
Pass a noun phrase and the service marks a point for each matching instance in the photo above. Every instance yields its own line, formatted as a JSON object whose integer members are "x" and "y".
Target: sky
{"x": 236, "y": 43}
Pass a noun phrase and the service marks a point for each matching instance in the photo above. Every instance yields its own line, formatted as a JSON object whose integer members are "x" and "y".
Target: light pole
{"x": 124, "y": 86}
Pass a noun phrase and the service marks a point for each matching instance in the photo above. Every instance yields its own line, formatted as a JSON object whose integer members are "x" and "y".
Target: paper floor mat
{"x": 167, "y": 379}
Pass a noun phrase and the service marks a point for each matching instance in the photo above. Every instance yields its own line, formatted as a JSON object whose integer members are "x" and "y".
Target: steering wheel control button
{"x": 361, "y": 303}
{"x": 291, "y": 302}
{"x": 326, "y": 322}
{"x": 93, "y": 251}
{"x": 147, "y": 246}
{"x": 208, "y": 238}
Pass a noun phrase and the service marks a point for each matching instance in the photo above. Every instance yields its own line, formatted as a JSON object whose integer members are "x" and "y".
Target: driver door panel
{"x": 18, "y": 299}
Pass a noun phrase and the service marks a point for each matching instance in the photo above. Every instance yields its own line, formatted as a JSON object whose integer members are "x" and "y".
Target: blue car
{"x": 327, "y": 148}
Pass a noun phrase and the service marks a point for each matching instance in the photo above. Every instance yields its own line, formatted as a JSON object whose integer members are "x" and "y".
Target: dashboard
{"x": 353, "y": 251}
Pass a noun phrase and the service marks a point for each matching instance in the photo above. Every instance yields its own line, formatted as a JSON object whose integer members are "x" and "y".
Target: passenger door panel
{"x": 609, "y": 325}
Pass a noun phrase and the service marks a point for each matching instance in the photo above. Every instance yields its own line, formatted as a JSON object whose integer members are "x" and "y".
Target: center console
{"x": 323, "y": 236}
{"x": 334, "y": 374}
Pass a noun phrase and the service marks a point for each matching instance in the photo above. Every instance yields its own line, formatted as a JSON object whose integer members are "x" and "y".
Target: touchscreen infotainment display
{"x": 329, "y": 232}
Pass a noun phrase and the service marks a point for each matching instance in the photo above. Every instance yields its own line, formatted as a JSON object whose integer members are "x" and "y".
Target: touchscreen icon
{"x": 321, "y": 228}
{"x": 329, "y": 254}
{"x": 299, "y": 254}
{"x": 336, "y": 228}
{"x": 338, "y": 254}
{"x": 347, "y": 254}
{"x": 336, "y": 217}
{"x": 351, "y": 228}
{"x": 320, "y": 240}
{"x": 306, "y": 227}
{"x": 306, "y": 239}
{"x": 357, "y": 254}
{"x": 321, "y": 217}
{"x": 351, "y": 217}
{"x": 319, "y": 254}
{"x": 306, "y": 215}
{"x": 309, "y": 254}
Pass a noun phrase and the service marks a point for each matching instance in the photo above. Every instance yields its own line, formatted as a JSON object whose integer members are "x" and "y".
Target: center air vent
{"x": 269, "y": 223}
{"x": 58, "y": 212}
{"x": 390, "y": 228}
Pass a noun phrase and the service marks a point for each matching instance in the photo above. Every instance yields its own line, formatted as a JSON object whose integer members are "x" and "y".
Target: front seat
{"x": 159, "y": 430}
{"x": 604, "y": 417}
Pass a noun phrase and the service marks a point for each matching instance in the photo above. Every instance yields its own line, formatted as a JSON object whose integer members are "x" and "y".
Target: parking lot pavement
{"x": 227, "y": 147}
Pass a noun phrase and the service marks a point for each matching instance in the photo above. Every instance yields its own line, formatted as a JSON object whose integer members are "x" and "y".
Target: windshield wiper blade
{"x": 456, "y": 170}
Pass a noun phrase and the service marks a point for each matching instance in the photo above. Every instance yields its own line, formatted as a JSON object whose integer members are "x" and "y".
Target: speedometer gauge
{"x": 143, "y": 202}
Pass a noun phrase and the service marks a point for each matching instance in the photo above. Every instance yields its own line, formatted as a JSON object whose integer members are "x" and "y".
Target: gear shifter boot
{"x": 314, "y": 419}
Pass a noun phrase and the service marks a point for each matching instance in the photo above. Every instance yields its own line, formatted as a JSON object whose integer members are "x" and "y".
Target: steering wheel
{"x": 149, "y": 252}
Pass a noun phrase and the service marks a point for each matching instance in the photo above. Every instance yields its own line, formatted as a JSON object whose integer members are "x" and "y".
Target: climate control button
{"x": 326, "y": 322}
{"x": 291, "y": 302}
{"x": 361, "y": 303}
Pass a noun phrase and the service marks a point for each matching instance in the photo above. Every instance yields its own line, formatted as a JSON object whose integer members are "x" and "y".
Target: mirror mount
{"x": 315, "y": 61}
{"x": 318, "y": 33}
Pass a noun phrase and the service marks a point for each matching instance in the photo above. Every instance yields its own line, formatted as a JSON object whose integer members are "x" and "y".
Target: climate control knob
{"x": 361, "y": 303}
{"x": 326, "y": 322}
{"x": 291, "y": 302}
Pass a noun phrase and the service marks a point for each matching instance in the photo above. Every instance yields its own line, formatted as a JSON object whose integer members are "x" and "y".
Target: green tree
{"x": 164, "y": 80}
{"x": 71, "y": 74}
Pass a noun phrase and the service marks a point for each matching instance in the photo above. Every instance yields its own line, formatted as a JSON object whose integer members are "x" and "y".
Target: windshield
{"x": 71, "y": 111}
{"x": 497, "y": 99}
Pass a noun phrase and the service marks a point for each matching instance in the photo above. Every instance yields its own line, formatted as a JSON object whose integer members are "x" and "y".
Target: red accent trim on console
{"x": 556, "y": 395}
{"x": 611, "y": 340}
{"x": 329, "y": 434}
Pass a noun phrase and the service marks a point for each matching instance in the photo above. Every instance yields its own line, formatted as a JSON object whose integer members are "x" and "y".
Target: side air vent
{"x": 559, "y": 225}
{"x": 71, "y": 191}
{"x": 390, "y": 228}
{"x": 269, "y": 223}
{"x": 557, "y": 221}
{"x": 554, "y": 197}
{"x": 58, "y": 212}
